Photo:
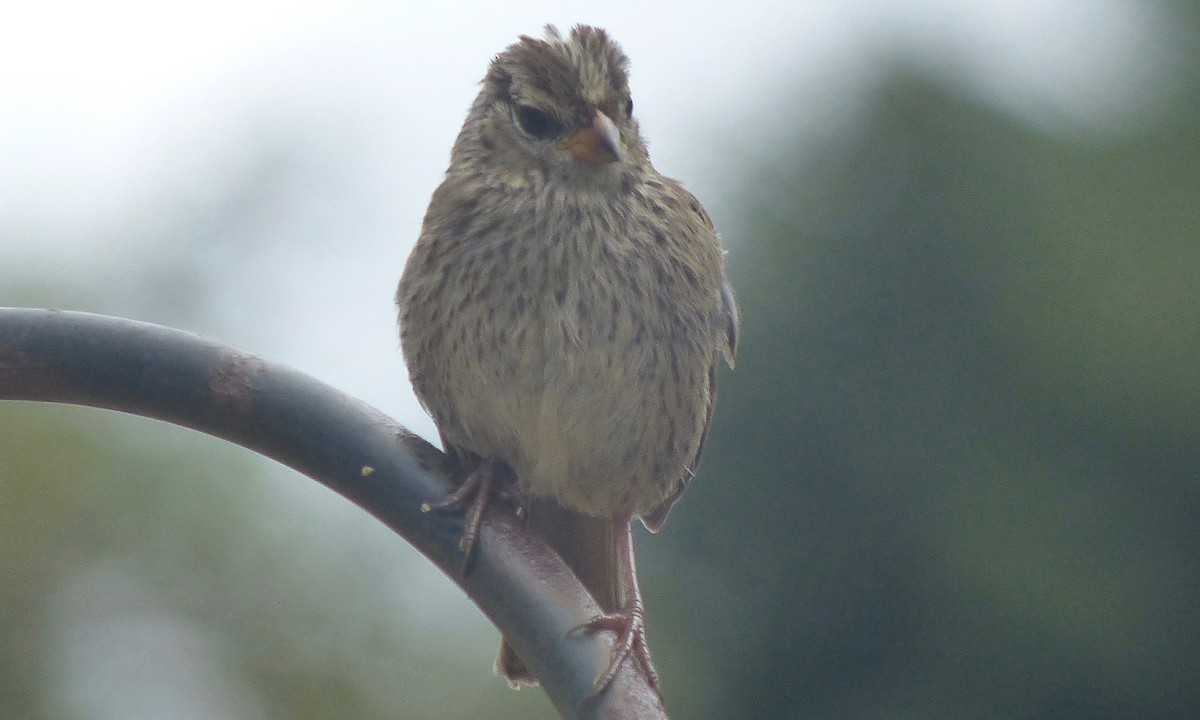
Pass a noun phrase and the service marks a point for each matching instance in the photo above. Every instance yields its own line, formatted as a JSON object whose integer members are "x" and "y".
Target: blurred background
{"x": 956, "y": 473}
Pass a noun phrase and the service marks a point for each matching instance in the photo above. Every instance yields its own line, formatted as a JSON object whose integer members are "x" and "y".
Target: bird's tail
{"x": 596, "y": 550}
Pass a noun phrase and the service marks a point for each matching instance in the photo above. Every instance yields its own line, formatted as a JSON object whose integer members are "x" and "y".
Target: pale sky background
{"x": 123, "y": 126}
{"x": 122, "y": 113}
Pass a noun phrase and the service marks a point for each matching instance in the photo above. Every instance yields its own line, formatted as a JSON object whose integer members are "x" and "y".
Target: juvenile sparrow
{"x": 563, "y": 315}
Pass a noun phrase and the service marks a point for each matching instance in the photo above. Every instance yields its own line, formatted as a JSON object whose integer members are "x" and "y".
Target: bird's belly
{"x": 596, "y": 427}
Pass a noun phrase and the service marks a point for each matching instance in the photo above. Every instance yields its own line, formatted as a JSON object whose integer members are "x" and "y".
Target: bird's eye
{"x": 536, "y": 122}
{"x": 629, "y": 108}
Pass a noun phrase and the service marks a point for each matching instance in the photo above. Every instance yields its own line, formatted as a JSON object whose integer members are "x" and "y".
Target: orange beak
{"x": 598, "y": 143}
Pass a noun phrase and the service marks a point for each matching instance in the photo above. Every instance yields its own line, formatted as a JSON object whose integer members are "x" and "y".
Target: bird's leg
{"x": 472, "y": 498}
{"x": 629, "y": 623}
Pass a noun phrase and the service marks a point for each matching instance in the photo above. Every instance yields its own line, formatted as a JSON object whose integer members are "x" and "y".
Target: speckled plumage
{"x": 567, "y": 317}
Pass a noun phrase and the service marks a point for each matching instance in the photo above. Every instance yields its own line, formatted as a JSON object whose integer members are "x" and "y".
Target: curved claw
{"x": 472, "y": 497}
{"x": 630, "y": 627}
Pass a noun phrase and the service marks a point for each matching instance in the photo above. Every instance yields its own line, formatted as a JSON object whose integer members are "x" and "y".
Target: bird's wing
{"x": 655, "y": 518}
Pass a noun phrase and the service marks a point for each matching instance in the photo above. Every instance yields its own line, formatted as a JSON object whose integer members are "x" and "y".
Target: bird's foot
{"x": 630, "y": 626}
{"x": 471, "y": 498}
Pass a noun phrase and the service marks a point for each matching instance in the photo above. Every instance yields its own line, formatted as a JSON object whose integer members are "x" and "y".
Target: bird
{"x": 563, "y": 316}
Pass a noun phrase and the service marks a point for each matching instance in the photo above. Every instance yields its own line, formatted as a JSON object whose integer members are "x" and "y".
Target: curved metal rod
{"x": 342, "y": 443}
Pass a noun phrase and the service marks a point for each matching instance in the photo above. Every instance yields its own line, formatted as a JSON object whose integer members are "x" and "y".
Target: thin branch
{"x": 346, "y": 445}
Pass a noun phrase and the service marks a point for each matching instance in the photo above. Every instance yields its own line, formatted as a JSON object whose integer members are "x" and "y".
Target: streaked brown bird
{"x": 563, "y": 315}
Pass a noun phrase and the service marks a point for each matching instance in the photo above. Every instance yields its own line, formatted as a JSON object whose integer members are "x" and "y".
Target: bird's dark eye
{"x": 629, "y": 108}
{"x": 537, "y": 123}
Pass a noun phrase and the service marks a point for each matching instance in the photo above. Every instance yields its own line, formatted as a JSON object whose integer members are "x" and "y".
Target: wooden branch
{"x": 342, "y": 443}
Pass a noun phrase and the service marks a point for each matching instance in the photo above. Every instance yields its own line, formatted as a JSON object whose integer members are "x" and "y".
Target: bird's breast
{"x": 575, "y": 354}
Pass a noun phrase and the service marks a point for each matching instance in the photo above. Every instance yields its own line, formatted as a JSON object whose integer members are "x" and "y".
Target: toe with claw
{"x": 630, "y": 628}
{"x": 471, "y": 498}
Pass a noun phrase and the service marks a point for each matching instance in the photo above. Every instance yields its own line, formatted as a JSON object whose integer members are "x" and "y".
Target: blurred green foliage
{"x": 955, "y": 474}
{"x": 957, "y": 470}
